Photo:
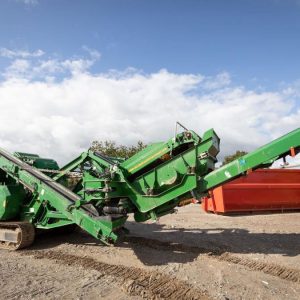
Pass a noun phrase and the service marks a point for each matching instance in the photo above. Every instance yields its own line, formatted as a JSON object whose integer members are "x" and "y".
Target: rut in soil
{"x": 135, "y": 281}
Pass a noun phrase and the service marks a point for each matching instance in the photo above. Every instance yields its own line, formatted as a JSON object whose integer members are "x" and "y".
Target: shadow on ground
{"x": 155, "y": 244}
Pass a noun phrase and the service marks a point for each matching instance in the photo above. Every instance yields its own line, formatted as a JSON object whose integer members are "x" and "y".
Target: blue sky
{"x": 126, "y": 70}
{"x": 256, "y": 41}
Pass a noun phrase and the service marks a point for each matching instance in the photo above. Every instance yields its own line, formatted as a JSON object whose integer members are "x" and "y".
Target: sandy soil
{"x": 188, "y": 255}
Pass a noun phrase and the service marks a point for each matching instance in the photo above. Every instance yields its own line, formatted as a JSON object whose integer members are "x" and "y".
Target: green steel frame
{"x": 104, "y": 190}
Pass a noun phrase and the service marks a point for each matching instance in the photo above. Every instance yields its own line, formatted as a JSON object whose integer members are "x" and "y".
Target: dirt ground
{"x": 188, "y": 255}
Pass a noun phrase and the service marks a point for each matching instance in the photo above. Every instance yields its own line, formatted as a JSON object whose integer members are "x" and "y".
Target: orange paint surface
{"x": 260, "y": 190}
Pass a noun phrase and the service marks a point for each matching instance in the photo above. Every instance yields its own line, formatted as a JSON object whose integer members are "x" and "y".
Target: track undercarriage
{"x": 16, "y": 235}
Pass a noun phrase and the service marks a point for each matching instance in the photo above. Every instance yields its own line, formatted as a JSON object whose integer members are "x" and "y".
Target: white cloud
{"x": 28, "y": 2}
{"x": 60, "y": 118}
{"x": 19, "y": 68}
{"x": 95, "y": 55}
{"x": 9, "y": 53}
{"x": 77, "y": 65}
{"x": 30, "y": 65}
{"x": 221, "y": 80}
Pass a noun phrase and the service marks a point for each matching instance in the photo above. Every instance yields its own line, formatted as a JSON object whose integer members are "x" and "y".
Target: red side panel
{"x": 260, "y": 190}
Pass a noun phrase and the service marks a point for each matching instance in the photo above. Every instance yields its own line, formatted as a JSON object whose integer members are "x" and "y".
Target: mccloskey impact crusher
{"x": 97, "y": 192}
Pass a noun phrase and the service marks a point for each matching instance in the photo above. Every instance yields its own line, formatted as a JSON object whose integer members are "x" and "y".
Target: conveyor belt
{"x": 72, "y": 197}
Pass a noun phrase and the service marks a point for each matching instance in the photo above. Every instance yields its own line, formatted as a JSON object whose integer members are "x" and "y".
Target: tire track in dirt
{"x": 134, "y": 281}
{"x": 220, "y": 254}
{"x": 30, "y": 294}
{"x": 267, "y": 268}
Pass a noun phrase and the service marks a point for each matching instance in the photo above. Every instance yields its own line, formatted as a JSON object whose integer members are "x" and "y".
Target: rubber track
{"x": 27, "y": 234}
{"x": 135, "y": 281}
{"x": 267, "y": 268}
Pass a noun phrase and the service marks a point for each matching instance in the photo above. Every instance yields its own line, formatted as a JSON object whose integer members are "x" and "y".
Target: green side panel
{"x": 176, "y": 177}
{"x": 46, "y": 163}
{"x": 153, "y": 152}
{"x": 144, "y": 157}
{"x": 11, "y": 197}
{"x": 37, "y": 161}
